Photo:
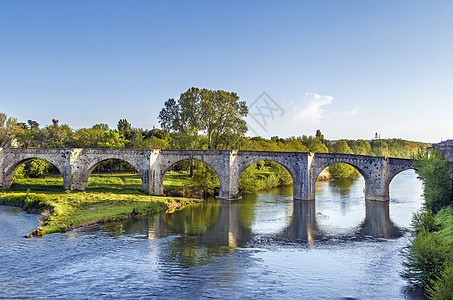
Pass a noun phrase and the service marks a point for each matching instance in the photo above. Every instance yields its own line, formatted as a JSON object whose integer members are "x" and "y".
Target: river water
{"x": 265, "y": 246}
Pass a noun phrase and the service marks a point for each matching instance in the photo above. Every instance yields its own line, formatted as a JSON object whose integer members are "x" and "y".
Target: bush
{"x": 248, "y": 182}
{"x": 33, "y": 168}
{"x": 424, "y": 220}
{"x": 28, "y": 201}
{"x": 442, "y": 287}
{"x": 342, "y": 171}
{"x": 424, "y": 258}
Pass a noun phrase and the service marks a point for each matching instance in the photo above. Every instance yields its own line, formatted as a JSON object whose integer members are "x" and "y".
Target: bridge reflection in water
{"x": 221, "y": 224}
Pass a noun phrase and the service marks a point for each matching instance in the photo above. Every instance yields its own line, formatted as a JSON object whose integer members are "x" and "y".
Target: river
{"x": 265, "y": 246}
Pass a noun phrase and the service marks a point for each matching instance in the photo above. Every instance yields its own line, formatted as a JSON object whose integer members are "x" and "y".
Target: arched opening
{"x": 340, "y": 205}
{"x": 35, "y": 174}
{"x": 114, "y": 175}
{"x": 264, "y": 175}
{"x": 190, "y": 178}
{"x": 406, "y": 196}
{"x": 341, "y": 179}
{"x": 259, "y": 183}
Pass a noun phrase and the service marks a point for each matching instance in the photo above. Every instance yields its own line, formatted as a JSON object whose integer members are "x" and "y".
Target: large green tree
{"x": 217, "y": 114}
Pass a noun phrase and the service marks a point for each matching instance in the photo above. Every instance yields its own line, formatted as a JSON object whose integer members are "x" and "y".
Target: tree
{"x": 111, "y": 139}
{"x": 320, "y": 136}
{"x": 341, "y": 170}
{"x": 123, "y": 126}
{"x": 380, "y": 148}
{"x": 221, "y": 116}
{"x": 54, "y": 133}
{"x": 8, "y": 129}
{"x": 217, "y": 114}
{"x": 434, "y": 170}
{"x": 33, "y": 125}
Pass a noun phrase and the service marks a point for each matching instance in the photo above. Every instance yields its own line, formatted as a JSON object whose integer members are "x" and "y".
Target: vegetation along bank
{"x": 428, "y": 260}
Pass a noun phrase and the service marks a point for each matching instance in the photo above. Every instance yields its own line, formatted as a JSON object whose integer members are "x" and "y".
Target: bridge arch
{"x": 96, "y": 161}
{"x": 13, "y": 166}
{"x": 362, "y": 164}
{"x": 397, "y": 166}
{"x": 244, "y": 167}
{"x": 325, "y": 164}
{"x": 173, "y": 161}
{"x": 291, "y": 161}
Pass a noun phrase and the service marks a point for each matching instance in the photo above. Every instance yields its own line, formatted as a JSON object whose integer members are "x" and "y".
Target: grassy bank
{"x": 107, "y": 198}
{"x": 428, "y": 260}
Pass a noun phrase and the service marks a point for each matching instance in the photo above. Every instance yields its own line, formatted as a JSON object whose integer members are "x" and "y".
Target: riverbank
{"x": 108, "y": 198}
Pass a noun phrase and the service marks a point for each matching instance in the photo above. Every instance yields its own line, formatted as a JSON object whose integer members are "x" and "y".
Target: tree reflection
{"x": 208, "y": 230}
{"x": 216, "y": 228}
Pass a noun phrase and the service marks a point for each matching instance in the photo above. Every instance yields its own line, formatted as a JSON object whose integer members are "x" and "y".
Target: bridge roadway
{"x": 76, "y": 165}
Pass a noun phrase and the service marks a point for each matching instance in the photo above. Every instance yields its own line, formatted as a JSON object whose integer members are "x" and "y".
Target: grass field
{"x": 107, "y": 198}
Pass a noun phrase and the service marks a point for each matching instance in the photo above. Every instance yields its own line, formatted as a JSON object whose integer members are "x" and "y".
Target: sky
{"x": 350, "y": 68}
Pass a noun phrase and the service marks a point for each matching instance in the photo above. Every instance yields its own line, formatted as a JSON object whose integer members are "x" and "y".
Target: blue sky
{"x": 349, "y": 68}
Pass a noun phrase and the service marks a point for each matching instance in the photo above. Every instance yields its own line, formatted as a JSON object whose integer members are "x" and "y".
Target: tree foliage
{"x": 216, "y": 114}
{"x": 434, "y": 170}
{"x": 442, "y": 287}
{"x": 8, "y": 129}
{"x": 424, "y": 258}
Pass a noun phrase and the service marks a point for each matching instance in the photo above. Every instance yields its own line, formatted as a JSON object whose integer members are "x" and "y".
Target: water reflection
{"x": 377, "y": 222}
{"x": 227, "y": 225}
{"x": 203, "y": 232}
{"x": 303, "y": 225}
{"x": 255, "y": 248}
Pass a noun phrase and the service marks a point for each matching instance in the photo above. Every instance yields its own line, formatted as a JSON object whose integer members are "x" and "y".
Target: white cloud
{"x": 313, "y": 112}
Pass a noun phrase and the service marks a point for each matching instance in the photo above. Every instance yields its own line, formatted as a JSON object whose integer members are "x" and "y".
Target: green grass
{"x": 107, "y": 198}
{"x": 445, "y": 219}
{"x": 177, "y": 180}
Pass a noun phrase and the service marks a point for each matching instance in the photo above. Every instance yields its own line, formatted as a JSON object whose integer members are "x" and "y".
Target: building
{"x": 446, "y": 147}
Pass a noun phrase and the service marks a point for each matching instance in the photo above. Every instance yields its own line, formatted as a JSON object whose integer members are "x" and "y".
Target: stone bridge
{"x": 76, "y": 165}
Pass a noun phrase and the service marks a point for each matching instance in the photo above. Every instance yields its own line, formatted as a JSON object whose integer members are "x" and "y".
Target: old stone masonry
{"x": 76, "y": 165}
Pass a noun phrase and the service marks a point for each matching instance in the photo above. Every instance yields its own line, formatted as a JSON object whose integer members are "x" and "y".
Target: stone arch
{"x": 320, "y": 168}
{"x": 174, "y": 160}
{"x": 247, "y": 165}
{"x": 242, "y": 167}
{"x": 99, "y": 159}
{"x": 396, "y": 166}
{"x": 11, "y": 169}
{"x": 291, "y": 161}
{"x": 367, "y": 166}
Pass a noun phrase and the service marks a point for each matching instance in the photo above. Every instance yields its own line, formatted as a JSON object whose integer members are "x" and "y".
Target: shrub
{"x": 248, "y": 182}
{"x": 424, "y": 220}
{"x": 442, "y": 287}
{"x": 342, "y": 170}
{"x": 424, "y": 258}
